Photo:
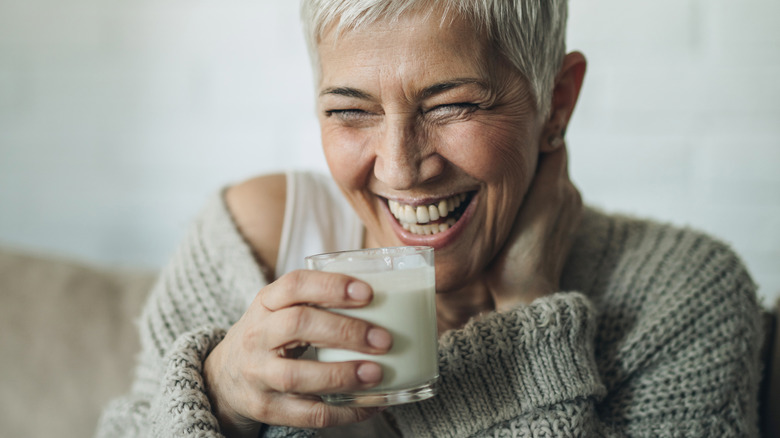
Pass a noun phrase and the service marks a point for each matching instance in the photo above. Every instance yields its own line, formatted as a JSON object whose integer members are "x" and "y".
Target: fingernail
{"x": 379, "y": 338}
{"x": 359, "y": 291}
{"x": 369, "y": 373}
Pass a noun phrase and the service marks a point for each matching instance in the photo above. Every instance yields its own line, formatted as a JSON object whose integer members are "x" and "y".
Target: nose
{"x": 404, "y": 158}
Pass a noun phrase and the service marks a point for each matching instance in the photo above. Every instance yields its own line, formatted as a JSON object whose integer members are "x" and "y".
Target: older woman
{"x": 443, "y": 125}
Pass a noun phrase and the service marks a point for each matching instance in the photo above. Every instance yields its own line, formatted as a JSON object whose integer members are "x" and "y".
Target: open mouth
{"x": 427, "y": 219}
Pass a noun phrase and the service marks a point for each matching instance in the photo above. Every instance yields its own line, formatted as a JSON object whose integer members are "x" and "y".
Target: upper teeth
{"x": 422, "y": 214}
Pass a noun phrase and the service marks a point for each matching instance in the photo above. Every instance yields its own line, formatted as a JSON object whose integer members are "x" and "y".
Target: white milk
{"x": 404, "y": 303}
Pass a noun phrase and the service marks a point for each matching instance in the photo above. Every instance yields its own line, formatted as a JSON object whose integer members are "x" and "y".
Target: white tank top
{"x": 317, "y": 219}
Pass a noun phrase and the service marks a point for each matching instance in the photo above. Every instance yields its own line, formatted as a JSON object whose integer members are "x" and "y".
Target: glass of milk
{"x": 403, "y": 281}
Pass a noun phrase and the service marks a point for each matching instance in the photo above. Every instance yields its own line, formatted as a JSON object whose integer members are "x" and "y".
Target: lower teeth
{"x": 427, "y": 229}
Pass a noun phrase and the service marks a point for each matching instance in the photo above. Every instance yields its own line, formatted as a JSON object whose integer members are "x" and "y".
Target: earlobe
{"x": 564, "y": 98}
{"x": 555, "y": 142}
{"x": 552, "y": 141}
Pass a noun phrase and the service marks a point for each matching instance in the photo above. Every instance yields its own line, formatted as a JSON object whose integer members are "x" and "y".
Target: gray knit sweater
{"x": 656, "y": 333}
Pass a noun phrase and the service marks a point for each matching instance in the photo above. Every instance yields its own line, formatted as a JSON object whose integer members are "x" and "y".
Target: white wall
{"x": 117, "y": 119}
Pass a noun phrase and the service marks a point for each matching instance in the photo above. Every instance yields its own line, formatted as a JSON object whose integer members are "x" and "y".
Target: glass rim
{"x": 373, "y": 252}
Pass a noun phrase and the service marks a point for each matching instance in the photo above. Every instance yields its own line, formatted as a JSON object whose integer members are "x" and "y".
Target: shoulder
{"x": 658, "y": 273}
{"x": 664, "y": 249}
{"x": 257, "y": 206}
{"x": 673, "y": 300}
{"x": 646, "y": 252}
{"x": 642, "y": 266}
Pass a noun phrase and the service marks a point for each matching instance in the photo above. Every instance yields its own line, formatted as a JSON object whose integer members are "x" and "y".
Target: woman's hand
{"x": 253, "y": 377}
{"x": 530, "y": 264}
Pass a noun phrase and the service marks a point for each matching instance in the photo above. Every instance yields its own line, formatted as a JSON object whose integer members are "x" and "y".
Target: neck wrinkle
{"x": 454, "y": 309}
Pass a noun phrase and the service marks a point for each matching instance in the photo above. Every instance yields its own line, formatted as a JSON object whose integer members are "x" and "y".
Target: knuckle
{"x": 335, "y": 284}
{"x": 283, "y": 288}
{"x": 267, "y": 297}
{"x": 321, "y": 416}
{"x": 293, "y": 321}
{"x": 259, "y": 409}
{"x": 261, "y": 376}
{"x": 351, "y": 329}
{"x": 259, "y": 297}
{"x": 248, "y": 337}
{"x": 295, "y": 279}
{"x": 336, "y": 378}
{"x": 287, "y": 379}
{"x": 264, "y": 297}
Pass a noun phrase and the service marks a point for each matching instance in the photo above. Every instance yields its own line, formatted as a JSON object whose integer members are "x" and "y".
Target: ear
{"x": 564, "y": 98}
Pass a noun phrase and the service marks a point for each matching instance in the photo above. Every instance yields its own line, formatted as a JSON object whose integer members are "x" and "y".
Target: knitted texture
{"x": 184, "y": 409}
{"x": 545, "y": 356}
{"x": 659, "y": 336}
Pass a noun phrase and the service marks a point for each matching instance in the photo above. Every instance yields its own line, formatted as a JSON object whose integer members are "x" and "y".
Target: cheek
{"x": 492, "y": 152}
{"x": 345, "y": 153}
{"x": 350, "y": 161}
{"x": 503, "y": 157}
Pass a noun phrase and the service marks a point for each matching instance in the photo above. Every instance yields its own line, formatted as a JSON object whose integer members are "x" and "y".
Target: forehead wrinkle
{"x": 413, "y": 80}
{"x": 436, "y": 78}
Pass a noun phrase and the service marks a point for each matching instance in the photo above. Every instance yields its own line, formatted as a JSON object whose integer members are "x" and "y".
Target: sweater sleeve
{"x": 183, "y": 407}
{"x": 671, "y": 351}
{"x": 199, "y": 295}
{"x": 534, "y": 361}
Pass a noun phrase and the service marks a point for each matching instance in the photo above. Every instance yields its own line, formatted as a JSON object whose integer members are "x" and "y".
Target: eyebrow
{"x": 426, "y": 92}
{"x": 346, "y": 92}
{"x": 449, "y": 85}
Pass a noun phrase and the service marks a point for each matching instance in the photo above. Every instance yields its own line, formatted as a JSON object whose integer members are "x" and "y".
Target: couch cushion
{"x": 68, "y": 342}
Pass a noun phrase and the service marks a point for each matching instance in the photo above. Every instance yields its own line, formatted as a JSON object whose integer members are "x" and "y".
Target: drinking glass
{"x": 403, "y": 280}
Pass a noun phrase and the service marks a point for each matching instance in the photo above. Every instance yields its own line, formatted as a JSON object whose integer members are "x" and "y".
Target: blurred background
{"x": 118, "y": 119}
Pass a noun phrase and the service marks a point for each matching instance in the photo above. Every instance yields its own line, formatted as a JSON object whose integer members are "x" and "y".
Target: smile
{"x": 431, "y": 218}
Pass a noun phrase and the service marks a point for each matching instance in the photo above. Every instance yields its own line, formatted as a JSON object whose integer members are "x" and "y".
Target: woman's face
{"x": 432, "y": 137}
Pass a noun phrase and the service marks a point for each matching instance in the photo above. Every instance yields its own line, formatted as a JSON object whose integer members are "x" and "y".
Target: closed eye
{"x": 453, "y": 109}
{"x": 344, "y": 112}
{"x": 350, "y": 115}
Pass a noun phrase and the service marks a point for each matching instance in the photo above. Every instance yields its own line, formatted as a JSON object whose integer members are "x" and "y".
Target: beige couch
{"x": 67, "y": 342}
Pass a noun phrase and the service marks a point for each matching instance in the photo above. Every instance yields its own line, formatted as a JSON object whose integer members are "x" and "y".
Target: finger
{"x": 311, "y": 412}
{"x": 311, "y": 377}
{"x": 325, "y": 289}
{"x": 321, "y": 328}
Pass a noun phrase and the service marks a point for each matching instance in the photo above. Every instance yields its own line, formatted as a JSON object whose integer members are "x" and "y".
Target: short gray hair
{"x": 531, "y": 34}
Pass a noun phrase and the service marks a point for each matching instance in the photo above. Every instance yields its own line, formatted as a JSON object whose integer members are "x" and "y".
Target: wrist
{"x": 231, "y": 423}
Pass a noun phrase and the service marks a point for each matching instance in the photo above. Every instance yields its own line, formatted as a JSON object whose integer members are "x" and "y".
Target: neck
{"x": 455, "y": 308}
